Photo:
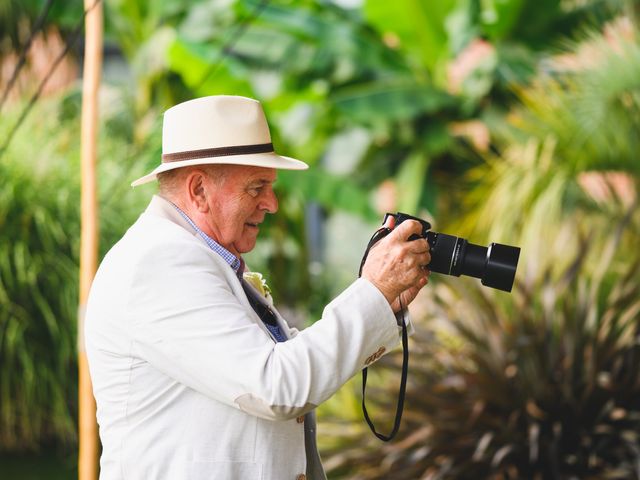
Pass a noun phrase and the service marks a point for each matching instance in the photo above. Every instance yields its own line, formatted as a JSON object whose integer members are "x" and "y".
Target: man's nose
{"x": 270, "y": 202}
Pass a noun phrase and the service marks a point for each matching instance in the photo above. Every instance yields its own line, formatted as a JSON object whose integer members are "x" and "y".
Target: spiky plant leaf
{"x": 541, "y": 384}
{"x": 39, "y": 249}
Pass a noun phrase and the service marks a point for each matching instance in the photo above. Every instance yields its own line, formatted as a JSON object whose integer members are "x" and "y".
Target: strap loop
{"x": 377, "y": 236}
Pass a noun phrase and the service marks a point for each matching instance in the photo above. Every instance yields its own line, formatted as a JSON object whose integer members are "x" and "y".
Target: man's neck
{"x": 190, "y": 212}
{"x": 234, "y": 260}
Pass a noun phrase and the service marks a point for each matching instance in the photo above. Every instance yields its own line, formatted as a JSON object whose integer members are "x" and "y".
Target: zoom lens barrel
{"x": 495, "y": 265}
{"x": 502, "y": 261}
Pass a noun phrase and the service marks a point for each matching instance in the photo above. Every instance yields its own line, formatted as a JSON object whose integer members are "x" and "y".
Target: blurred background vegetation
{"x": 499, "y": 120}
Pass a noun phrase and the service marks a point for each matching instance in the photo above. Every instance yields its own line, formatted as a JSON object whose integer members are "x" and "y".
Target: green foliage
{"x": 569, "y": 123}
{"x": 540, "y": 384}
{"x": 39, "y": 217}
{"x": 323, "y": 72}
{"x": 384, "y": 68}
{"x": 595, "y": 111}
{"x": 143, "y": 31}
{"x": 419, "y": 26}
{"x": 328, "y": 190}
{"x": 39, "y": 249}
{"x": 17, "y": 19}
{"x": 401, "y": 99}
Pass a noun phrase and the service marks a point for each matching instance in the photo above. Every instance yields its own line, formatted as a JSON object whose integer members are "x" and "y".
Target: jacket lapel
{"x": 284, "y": 328}
{"x": 164, "y": 209}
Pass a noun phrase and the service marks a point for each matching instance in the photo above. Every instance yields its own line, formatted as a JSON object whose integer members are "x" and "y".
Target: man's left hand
{"x": 406, "y": 298}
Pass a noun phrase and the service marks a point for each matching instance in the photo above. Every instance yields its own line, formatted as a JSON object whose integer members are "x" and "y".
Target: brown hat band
{"x": 217, "y": 152}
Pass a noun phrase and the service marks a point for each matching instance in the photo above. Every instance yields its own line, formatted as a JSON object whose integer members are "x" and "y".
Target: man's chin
{"x": 246, "y": 246}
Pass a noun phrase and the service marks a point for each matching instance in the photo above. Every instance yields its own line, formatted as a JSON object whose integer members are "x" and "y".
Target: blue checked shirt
{"x": 234, "y": 262}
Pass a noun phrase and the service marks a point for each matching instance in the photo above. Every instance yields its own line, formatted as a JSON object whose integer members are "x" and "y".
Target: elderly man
{"x": 195, "y": 374}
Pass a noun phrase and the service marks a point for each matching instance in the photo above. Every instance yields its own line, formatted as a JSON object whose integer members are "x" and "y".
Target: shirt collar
{"x": 236, "y": 263}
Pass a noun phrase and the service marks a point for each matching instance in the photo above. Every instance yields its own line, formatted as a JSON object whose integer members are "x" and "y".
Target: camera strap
{"x": 377, "y": 236}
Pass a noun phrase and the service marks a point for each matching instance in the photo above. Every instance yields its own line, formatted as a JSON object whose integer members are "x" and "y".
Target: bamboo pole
{"x": 88, "y": 429}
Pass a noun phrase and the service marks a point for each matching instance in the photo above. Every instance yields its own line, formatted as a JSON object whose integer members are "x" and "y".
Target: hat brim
{"x": 266, "y": 160}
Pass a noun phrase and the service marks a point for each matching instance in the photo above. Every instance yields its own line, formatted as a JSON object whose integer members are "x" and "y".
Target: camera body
{"x": 494, "y": 265}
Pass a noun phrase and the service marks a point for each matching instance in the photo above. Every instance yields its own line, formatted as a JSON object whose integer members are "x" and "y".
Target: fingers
{"x": 410, "y": 258}
{"x": 419, "y": 246}
{"x": 390, "y": 222}
{"x": 417, "y": 273}
{"x": 399, "y": 263}
{"x": 411, "y": 253}
{"x": 406, "y": 229}
{"x": 407, "y": 296}
{"x": 422, "y": 260}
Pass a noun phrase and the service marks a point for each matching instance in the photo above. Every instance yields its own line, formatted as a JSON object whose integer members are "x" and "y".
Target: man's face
{"x": 239, "y": 204}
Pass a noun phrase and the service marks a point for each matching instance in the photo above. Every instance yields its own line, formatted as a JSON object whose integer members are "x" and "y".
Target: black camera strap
{"x": 377, "y": 236}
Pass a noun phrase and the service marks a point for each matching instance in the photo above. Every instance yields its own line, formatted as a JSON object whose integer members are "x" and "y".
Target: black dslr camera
{"x": 495, "y": 265}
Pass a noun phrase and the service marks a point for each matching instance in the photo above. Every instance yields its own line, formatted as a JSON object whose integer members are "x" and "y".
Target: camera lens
{"x": 500, "y": 271}
{"x": 495, "y": 266}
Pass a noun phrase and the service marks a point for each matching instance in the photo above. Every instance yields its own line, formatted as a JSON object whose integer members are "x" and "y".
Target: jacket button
{"x": 302, "y": 476}
{"x": 375, "y": 356}
{"x": 379, "y": 353}
{"x": 300, "y": 419}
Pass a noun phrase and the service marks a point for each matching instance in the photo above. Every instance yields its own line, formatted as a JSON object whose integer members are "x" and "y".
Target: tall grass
{"x": 39, "y": 245}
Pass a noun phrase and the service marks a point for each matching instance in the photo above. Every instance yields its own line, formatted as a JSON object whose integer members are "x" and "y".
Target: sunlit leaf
{"x": 399, "y": 100}
{"x": 329, "y": 190}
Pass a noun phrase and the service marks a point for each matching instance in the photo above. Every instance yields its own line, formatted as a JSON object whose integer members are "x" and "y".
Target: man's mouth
{"x": 255, "y": 225}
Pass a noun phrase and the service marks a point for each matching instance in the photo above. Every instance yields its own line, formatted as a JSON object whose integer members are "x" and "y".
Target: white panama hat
{"x": 217, "y": 129}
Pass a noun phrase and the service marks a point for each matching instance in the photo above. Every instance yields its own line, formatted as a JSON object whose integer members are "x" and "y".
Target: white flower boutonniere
{"x": 257, "y": 281}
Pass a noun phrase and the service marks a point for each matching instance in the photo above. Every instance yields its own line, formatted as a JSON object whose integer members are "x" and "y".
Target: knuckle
{"x": 402, "y": 251}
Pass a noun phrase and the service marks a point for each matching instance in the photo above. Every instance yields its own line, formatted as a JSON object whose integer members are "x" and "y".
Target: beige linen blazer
{"x": 188, "y": 381}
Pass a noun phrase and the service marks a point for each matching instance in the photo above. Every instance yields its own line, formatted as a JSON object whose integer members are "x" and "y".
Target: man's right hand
{"x": 397, "y": 265}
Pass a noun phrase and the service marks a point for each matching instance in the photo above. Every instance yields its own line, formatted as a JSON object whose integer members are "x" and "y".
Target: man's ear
{"x": 196, "y": 190}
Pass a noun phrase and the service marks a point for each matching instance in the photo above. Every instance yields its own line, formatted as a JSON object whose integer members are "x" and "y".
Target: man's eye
{"x": 255, "y": 191}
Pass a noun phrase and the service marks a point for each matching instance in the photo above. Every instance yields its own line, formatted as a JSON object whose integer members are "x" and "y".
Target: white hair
{"x": 171, "y": 182}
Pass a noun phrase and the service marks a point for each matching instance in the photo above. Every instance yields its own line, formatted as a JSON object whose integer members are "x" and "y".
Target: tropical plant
{"x": 362, "y": 94}
{"x": 385, "y": 90}
{"x": 38, "y": 277}
{"x": 541, "y": 383}
{"x": 570, "y": 150}
{"x": 18, "y": 18}
{"x": 39, "y": 247}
